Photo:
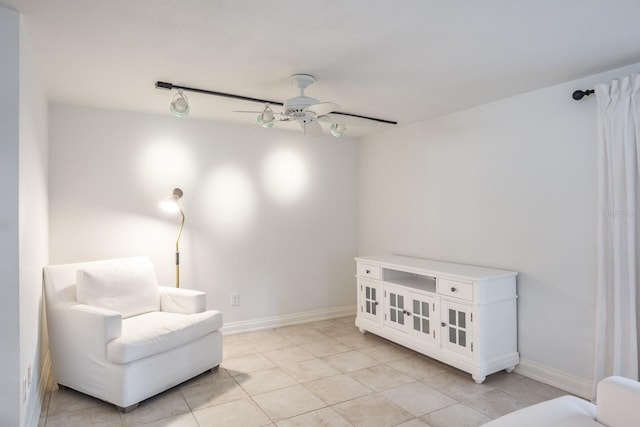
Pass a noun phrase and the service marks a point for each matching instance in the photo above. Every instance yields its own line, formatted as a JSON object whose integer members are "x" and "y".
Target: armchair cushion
{"x": 157, "y": 332}
{"x": 128, "y": 286}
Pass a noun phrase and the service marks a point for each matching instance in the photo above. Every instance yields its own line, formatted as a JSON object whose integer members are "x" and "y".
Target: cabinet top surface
{"x": 434, "y": 267}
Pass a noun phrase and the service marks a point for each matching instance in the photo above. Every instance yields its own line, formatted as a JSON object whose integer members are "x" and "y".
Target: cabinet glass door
{"x": 424, "y": 317}
{"x": 456, "y": 327}
{"x": 396, "y": 314}
{"x": 370, "y": 307}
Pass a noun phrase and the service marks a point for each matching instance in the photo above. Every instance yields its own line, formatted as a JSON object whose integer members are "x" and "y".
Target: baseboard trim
{"x": 35, "y": 410}
{"x": 287, "y": 320}
{"x": 575, "y": 385}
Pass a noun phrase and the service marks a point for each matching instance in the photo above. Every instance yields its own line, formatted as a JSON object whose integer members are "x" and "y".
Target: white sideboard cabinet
{"x": 462, "y": 315}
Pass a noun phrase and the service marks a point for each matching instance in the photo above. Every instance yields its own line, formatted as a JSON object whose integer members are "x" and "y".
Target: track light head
{"x": 180, "y": 104}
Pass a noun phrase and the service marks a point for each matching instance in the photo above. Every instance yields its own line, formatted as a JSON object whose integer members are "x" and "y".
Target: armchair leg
{"x": 215, "y": 368}
{"x": 128, "y": 408}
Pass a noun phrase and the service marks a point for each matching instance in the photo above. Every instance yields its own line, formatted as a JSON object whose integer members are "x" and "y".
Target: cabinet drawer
{"x": 367, "y": 270}
{"x": 455, "y": 289}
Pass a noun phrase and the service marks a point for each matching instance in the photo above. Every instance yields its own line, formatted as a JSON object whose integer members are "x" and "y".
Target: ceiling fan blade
{"x": 312, "y": 128}
{"x": 347, "y": 120}
{"x": 322, "y": 108}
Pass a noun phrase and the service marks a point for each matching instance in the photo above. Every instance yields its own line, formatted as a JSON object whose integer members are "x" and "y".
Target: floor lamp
{"x": 173, "y": 205}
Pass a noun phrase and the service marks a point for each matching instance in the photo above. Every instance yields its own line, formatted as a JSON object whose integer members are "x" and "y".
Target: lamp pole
{"x": 177, "y": 247}
{"x": 173, "y": 205}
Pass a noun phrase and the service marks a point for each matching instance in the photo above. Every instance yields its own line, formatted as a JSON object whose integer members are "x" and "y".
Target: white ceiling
{"x": 402, "y": 60}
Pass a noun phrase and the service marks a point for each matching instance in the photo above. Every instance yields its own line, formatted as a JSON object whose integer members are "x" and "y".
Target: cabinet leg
{"x": 362, "y": 331}
{"x": 510, "y": 369}
{"x": 127, "y": 409}
{"x": 479, "y": 378}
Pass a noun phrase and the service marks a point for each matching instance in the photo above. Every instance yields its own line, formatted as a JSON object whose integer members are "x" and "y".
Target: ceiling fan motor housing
{"x": 295, "y": 106}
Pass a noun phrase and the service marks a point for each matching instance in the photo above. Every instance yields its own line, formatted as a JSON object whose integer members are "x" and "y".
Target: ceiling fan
{"x": 306, "y": 111}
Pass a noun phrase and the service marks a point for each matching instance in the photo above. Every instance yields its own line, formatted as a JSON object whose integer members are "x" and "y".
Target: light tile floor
{"x": 318, "y": 374}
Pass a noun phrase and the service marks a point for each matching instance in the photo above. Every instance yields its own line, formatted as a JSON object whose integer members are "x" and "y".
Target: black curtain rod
{"x": 166, "y": 85}
{"x": 579, "y": 94}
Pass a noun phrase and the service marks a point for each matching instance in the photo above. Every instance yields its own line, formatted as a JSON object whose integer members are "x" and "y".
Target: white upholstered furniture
{"x": 116, "y": 335}
{"x": 618, "y": 406}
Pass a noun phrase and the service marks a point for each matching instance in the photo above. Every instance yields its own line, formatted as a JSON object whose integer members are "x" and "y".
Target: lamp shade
{"x": 171, "y": 204}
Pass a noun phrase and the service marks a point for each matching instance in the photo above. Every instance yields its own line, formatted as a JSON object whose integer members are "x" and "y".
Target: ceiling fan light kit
{"x": 337, "y": 129}
{"x": 306, "y": 111}
{"x": 266, "y": 118}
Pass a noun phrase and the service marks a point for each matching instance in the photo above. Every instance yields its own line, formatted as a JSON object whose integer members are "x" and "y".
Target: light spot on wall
{"x": 285, "y": 175}
{"x": 228, "y": 201}
{"x": 165, "y": 165}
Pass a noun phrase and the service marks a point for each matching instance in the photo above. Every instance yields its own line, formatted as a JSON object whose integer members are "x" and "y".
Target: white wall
{"x": 23, "y": 226}
{"x": 33, "y": 229}
{"x": 9, "y": 147}
{"x": 510, "y": 184}
{"x": 270, "y": 214}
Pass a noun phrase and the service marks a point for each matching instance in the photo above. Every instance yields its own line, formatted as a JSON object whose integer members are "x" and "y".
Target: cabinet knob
{"x": 367, "y": 271}
{"x": 453, "y": 289}
{"x": 406, "y": 312}
{"x": 375, "y": 303}
{"x": 443, "y": 324}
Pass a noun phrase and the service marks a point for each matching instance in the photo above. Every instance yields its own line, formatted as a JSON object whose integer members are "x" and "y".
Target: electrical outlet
{"x": 235, "y": 298}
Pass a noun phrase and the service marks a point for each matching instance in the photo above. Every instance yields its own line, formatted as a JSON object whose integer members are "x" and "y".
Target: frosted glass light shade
{"x": 337, "y": 129}
{"x": 266, "y": 119}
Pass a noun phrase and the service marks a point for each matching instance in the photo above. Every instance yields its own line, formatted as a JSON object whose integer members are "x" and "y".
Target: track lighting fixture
{"x": 180, "y": 104}
{"x": 306, "y": 111}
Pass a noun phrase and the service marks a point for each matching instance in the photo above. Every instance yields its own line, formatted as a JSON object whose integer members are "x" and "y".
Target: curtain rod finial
{"x": 579, "y": 94}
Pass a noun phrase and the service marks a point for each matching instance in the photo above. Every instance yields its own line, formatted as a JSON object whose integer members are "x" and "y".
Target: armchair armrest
{"x": 618, "y": 401}
{"x": 104, "y": 325}
{"x": 78, "y": 338}
{"x": 185, "y": 301}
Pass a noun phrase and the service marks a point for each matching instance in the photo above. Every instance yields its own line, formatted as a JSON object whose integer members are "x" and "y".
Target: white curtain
{"x": 617, "y": 300}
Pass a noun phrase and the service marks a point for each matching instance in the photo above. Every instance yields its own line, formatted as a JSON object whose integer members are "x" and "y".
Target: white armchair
{"x": 116, "y": 335}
